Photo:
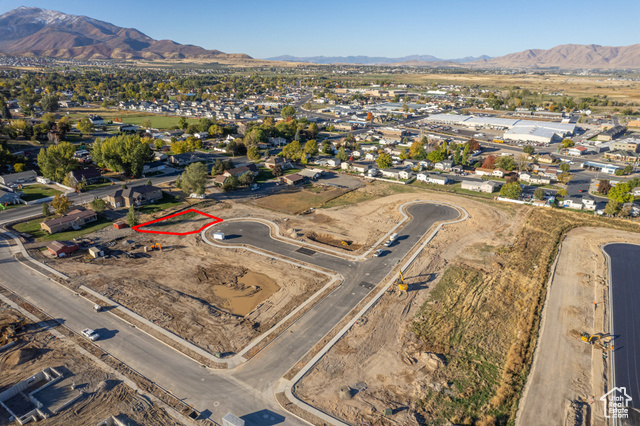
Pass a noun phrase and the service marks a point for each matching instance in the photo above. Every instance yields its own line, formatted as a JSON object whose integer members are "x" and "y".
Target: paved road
{"x": 625, "y": 270}
{"x": 248, "y": 390}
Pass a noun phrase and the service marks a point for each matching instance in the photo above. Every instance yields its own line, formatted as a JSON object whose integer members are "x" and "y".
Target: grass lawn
{"x": 264, "y": 175}
{"x": 32, "y": 227}
{"x": 36, "y": 192}
{"x": 289, "y": 171}
{"x": 164, "y": 203}
{"x": 97, "y": 186}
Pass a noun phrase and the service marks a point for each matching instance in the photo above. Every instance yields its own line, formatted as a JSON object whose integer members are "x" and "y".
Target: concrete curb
{"x": 612, "y": 373}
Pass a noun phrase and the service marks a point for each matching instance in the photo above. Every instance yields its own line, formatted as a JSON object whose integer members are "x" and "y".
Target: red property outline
{"x": 146, "y": 231}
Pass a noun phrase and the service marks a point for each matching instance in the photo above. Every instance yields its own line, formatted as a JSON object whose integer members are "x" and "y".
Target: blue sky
{"x": 445, "y": 28}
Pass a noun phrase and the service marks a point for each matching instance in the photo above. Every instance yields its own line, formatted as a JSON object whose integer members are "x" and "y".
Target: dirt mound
{"x": 219, "y": 274}
{"x": 19, "y": 357}
{"x": 334, "y": 242}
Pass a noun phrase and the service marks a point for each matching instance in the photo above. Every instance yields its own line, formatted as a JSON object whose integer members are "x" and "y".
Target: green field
{"x": 36, "y": 192}
{"x": 32, "y": 228}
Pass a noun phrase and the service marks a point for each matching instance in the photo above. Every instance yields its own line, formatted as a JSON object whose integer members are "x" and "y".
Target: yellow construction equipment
{"x": 401, "y": 285}
{"x": 156, "y": 246}
{"x": 593, "y": 338}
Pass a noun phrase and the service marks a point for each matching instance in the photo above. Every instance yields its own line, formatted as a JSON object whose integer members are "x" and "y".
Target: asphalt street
{"x": 625, "y": 270}
{"x": 248, "y": 390}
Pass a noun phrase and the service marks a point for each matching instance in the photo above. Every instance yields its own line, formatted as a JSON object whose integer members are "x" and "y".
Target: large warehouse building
{"x": 516, "y": 130}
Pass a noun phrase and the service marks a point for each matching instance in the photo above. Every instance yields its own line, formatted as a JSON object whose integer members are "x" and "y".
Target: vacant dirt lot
{"x": 380, "y": 358}
{"x": 298, "y": 200}
{"x": 218, "y": 299}
{"x": 578, "y": 283}
{"x": 104, "y": 395}
{"x": 459, "y": 351}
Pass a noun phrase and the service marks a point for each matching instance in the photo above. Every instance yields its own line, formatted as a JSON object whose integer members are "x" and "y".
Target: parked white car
{"x": 90, "y": 334}
{"x": 377, "y": 253}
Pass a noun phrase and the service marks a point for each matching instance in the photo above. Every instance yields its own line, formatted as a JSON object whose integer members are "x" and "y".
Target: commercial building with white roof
{"x": 516, "y": 129}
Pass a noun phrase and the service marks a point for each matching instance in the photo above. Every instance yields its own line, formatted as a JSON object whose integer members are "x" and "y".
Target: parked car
{"x": 387, "y": 243}
{"x": 90, "y": 334}
{"x": 377, "y": 253}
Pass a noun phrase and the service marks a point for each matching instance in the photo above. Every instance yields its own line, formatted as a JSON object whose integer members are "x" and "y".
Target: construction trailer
{"x": 231, "y": 420}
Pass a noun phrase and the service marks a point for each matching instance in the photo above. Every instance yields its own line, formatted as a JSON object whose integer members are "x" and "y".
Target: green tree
{"x": 230, "y": 183}
{"x": 49, "y": 103}
{"x": 403, "y": 154}
{"x": 254, "y": 153}
{"x": 19, "y": 167}
{"x": 57, "y": 161}
{"x": 326, "y": 147}
{"x": 342, "y": 154}
{"x": 538, "y": 194}
{"x": 123, "y": 153}
{"x": 311, "y": 147}
{"x": 313, "y": 130}
{"x": 568, "y": 143}
{"x": 45, "y": 209}
{"x": 565, "y": 167}
{"x": 183, "y": 123}
{"x": 292, "y": 151}
{"x": 194, "y": 178}
{"x": 61, "y": 204}
{"x": 436, "y": 155}
{"x": 63, "y": 125}
{"x": 158, "y": 143}
{"x": 98, "y": 205}
{"x": 511, "y": 190}
{"x": 132, "y": 216}
{"x": 528, "y": 150}
{"x": 613, "y": 207}
{"x": 621, "y": 193}
{"x": 85, "y": 126}
{"x": 384, "y": 161}
{"x": 277, "y": 171}
{"x": 146, "y": 123}
{"x": 215, "y": 131}
{"x": 562, "y": 192}
{"x": 246, "y": 179}
{"x": 505, "y": 162}
{"x": 288, "y": 112}
{"x": 627, "y": 169}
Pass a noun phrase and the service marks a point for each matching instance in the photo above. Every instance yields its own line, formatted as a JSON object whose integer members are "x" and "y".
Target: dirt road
{"x": 565, "y": 382}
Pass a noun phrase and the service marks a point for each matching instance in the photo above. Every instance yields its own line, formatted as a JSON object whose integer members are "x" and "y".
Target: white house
{"x": 589, "y": 203}
{"x": 444, "y": 165}
{"x": 573, "y": 203}
{"x": 333, "y": 162}
{"x": 435, "y": 179}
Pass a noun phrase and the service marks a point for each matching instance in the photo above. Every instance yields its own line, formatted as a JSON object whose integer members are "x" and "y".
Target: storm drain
{"x": 306, "y": 251}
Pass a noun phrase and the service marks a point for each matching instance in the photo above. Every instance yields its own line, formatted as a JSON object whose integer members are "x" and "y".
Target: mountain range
{"x": 31, "y": 31}
{"x": 372, "y": 60}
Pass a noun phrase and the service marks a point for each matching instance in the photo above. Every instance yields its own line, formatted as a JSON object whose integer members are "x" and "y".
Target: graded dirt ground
{"x": 298, "y": 200}
{"x": 460, "y": 350}
{"x": 577, "y": 303}
{"x": 104, "y": 395}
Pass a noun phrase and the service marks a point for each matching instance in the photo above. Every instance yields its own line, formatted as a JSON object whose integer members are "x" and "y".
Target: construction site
{"x": 47, "y": 378}
{"x": 452, "y": 341}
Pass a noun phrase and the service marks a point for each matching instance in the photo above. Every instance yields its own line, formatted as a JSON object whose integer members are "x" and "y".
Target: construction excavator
{"x": 601, "y": 338}
{"x": 9, "y": 330}
{"x": 401, "y": 284}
